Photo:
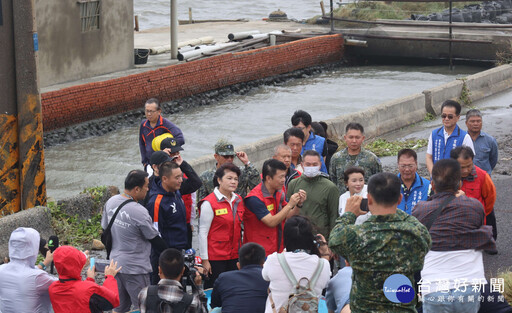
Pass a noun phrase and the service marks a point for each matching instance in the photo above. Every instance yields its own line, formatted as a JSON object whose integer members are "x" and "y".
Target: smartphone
{"x": 92, "y": 261}
{"x": 364, "y": 205}
{"x": 100, "y": 265}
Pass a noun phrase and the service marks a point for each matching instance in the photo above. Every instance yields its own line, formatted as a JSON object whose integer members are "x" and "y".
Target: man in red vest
{"x": 476, "y": 183}
{"x": 267, "y": 209}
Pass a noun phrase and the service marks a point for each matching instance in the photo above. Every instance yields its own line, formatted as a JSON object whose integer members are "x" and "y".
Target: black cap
{"x": 170, "y": 143}
{"x": 159, "y": 157}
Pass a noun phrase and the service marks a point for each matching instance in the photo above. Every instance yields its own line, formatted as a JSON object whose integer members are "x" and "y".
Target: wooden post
{"x": 322, "y": 8}
{"x": 136, "y": 23}
{"x": 190, "y": 21}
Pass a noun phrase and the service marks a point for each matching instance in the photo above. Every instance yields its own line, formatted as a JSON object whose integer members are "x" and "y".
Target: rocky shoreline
{"x": 495, "y": 12}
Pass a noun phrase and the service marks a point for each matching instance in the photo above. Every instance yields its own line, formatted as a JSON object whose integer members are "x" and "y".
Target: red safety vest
{"x": 256, "y": 231}
{"x": 225, "y": 235}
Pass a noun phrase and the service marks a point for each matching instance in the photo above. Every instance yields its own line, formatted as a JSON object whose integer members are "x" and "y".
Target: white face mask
{"x": 312, "y": 171}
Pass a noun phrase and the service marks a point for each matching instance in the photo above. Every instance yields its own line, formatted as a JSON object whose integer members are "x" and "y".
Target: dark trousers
{"x": 189, "y": 236}
{"x": 491, "y": 220}
{"x": 219, "y": 267}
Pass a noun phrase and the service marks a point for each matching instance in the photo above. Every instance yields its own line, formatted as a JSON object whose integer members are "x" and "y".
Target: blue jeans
{"x": 450, "y": 302}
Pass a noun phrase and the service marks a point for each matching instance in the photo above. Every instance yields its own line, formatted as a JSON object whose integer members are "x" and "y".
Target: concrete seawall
{"x": 377, "y": 120}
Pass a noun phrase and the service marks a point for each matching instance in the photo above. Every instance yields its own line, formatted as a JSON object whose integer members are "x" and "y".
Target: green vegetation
{"x": 504, "y": 56}
{"x": 75, "y": 231}
{"x": 429, "y": 117}
{"x": 383, "y": 147}
{"x": 507, "y": 276}
{"x": 465, "y": 94}
{"x": 370, "y": 11}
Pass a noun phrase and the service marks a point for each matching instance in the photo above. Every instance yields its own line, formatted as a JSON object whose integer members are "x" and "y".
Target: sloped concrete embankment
{"x": 377, "y": 120}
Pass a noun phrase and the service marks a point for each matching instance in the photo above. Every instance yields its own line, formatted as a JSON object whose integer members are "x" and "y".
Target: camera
{"x": 190, "y": 262}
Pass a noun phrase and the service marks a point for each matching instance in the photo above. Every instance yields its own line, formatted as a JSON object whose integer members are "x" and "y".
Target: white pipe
{"x": 192, "y": 42}
{"x": 174, "y": 29}
{"x": 272, "y": 40}
{"x": 242, "y": 35}
{"x": 206, "y": 49}
{"x": 185, "y": 49}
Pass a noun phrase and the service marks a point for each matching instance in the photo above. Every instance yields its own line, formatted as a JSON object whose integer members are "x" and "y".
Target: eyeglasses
{"x": 449, "y": 116}
{"x": 299, "y": 127}
{"x": 407, "y": 166}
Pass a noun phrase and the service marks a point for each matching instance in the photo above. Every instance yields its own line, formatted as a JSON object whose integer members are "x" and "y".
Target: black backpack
{"x": 154, "y": 304}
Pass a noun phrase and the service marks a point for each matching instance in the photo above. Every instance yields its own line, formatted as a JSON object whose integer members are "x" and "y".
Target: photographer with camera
{"x": 169, "y": 295}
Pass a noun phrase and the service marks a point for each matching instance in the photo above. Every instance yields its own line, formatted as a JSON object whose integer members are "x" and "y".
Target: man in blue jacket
{"x": 447, "y": 137}
{"x": 244, "y": 290}
{"x": 302, "y": 120}
{"x": 154, "y": 126}
{"x": 167, "y": 210}
{"x": 414, "y": 188}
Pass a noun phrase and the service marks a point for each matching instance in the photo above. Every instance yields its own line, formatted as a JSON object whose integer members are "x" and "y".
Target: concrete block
{"x": 489, "y": 82}
{"x": 435, "y": 97}
{"x": 38, "y": 218}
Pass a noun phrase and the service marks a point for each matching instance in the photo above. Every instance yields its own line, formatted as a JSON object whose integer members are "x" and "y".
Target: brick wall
{"x": 86, "y": 102}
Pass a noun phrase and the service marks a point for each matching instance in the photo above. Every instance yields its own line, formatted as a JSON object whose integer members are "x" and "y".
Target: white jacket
{"x": 24, "y": 287}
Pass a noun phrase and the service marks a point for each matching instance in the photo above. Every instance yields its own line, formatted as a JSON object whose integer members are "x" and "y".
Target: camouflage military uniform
{"x": 249, "y": 179}
{"x": 341, "y": 160}
{"x": 382, "y": 246}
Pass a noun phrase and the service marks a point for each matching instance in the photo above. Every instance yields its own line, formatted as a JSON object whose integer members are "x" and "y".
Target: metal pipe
{"x": 332, "y": 17}
{"x": 242, "y": 35}
{"x": 174, "y": 29}
{"x": 417, "y": 38}
{"x": 451, "y": 37}
{"x": 421, "y": 24}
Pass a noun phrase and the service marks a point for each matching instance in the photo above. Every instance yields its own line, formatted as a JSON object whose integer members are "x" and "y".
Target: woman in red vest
{"x": 220, "y": 221}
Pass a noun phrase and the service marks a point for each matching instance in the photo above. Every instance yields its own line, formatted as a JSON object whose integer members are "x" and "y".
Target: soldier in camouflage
{"x": 389, "y": 242}
{"x": 353, "y": 155}
{"x": 224, "y": 153}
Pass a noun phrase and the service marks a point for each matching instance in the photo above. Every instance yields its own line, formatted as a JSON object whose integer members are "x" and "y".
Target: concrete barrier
{"x": 480, "y": 85}
{"x": 489, "y": 82}
{"x": 38, "y": 218}
{"x": 435, "y": 97}
{"x": 382, "y": 118}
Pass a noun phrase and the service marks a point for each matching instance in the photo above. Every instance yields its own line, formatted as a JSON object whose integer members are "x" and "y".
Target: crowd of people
{"x": 271, "y": 240}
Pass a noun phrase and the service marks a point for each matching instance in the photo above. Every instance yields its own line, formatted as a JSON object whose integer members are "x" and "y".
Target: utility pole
{"x": 22, "y": 169}
{"x": 174, "y": 29}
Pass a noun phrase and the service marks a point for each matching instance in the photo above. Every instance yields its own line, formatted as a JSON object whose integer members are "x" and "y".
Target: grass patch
{"x": 370, "y": 10}
{"x": 74, "y": 231}
{"x": 507, "y": 277}
{"x": 429, "y": 117}
{"x": 383, "y": 147}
